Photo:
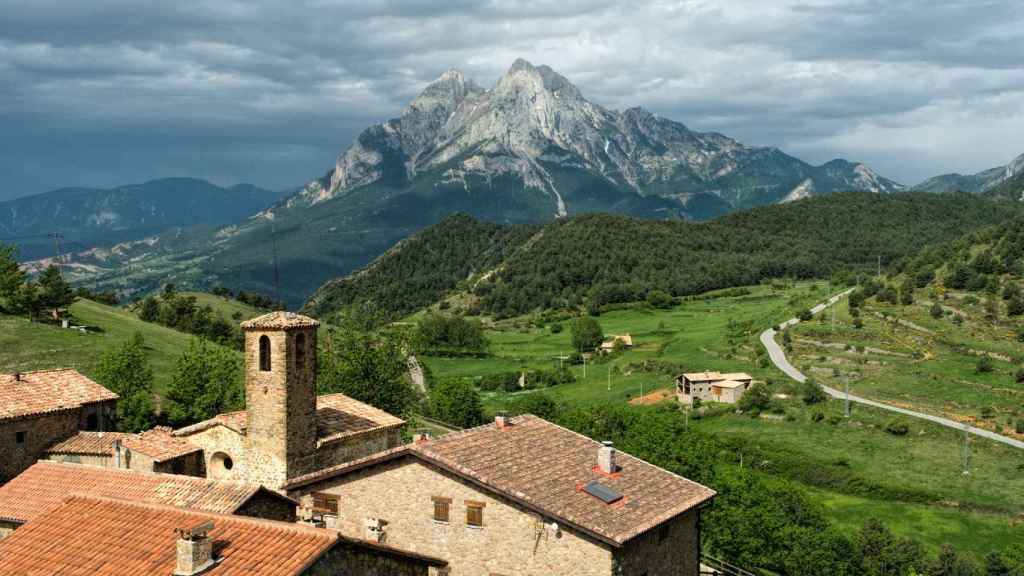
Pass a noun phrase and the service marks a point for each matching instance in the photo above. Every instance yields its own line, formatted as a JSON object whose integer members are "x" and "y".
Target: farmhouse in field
{"x": 39, "y": 409}
{"x": 624, "y": 340}
{"x": 519, "y": 496}
{"x": 712, "y": 386}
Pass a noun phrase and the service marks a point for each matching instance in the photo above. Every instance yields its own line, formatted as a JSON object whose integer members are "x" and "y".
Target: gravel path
{"x": 778, "y": 358}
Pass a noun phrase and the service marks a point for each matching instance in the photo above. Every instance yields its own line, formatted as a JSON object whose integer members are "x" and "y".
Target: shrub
{"x": 756, "y": 399}
{"x": 897, "y": 428}
{"x": 988, "y": 412}
{"x": 804, "y": 315}
{"x": 556, "y": 328}
{"x": 817, "y": 417}
{"x": 858, "y": 323}
{"x": 936, "y": 310}
{"x": 659, "y": 299}
{"x": 1019, "y": 376}
{"x": 984, "y": 365}
{"x": 812, "y": 393}
{"x": 834, "y": 420}
{"x": 1019, "y": 426}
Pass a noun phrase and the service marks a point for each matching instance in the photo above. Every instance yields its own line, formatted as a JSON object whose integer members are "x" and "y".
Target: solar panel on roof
{"x": 602, "y": 492}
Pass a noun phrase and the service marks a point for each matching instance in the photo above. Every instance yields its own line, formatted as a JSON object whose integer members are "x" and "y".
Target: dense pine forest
{"x": 594, "y": 260}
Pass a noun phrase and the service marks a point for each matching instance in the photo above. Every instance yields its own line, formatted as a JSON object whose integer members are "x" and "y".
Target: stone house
{"x": 712, "y": 386}
{"x": 39, "y": 409}
{"x": 520, "y": 496}
{"x": 624, "y": 340}
{"x": 155, "y": 450}
{"x": 285, "y": 430}
{"x": 134, "y": 538}
{"x": 46, "y": 484}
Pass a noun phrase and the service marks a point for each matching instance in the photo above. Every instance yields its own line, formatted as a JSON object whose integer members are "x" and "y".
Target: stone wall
{"x": 512, "y": 539}
{"x": 187, "y": 465}
{"x": 40, "y": 432}
{"x": 98, "y": 416}
{"x": 268, "y": 507}
{"x": 218, "y": 442}
{"x": 355, "y": 447}
{"x": 672, "y": 549}
{"x": 352, "y": 560}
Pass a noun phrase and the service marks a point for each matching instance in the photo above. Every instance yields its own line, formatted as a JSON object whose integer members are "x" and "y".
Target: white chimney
{"x": 195, "y": 550}
{"x": 117, "y": 453}
{"x": 606, "y": 458}
{"x": 421, "y": 436}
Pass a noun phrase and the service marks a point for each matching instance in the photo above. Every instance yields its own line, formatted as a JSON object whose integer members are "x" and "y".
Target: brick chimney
{"x": 502, "y": 420}
{"x": 195, "y": 550}
{"x": 606, "y": 458}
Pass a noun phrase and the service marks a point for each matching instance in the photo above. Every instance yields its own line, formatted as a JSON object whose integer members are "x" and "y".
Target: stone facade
{"x": 280, "y": 396}
{"x": 6, "y": 527}
{"x": 512, "y": 539}
{"x": 23, "y": 441}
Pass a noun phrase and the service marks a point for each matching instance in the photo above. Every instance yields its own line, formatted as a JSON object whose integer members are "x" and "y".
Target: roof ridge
{"x": 148, "y": 473}
{"x": 285, "y": 526}
{"x": 42, "y": 371}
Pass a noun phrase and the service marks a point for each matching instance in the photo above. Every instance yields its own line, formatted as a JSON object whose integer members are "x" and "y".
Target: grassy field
{"x": 853, "y": 467}
{"x": 32, "y": 346}
{"x": 712, "y": 333}
{"x": 930, "y": 366}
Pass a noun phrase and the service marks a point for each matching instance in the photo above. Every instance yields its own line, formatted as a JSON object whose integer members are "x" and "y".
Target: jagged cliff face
{"x": 534, "y": 130}
{"x": 980, "y": 182}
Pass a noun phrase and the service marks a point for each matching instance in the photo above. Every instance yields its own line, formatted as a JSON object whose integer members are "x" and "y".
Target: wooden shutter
{"x": 325, "y": 503}
{"x": 442, "y": 509}
{"x": 474, "y": 513}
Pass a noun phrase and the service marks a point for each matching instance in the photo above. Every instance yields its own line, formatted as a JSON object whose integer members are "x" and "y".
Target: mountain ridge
{"x": 979, "y": 182}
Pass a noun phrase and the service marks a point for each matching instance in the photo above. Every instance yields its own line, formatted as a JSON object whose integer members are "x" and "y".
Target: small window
{"x": 442, "y": 509}
{"x": 19, "y": 437}
{"x": 324, "y": 503}
{"x": 474, "y": 514}
{"x": 300, "y": 352}
{"x": 264, "y": 354}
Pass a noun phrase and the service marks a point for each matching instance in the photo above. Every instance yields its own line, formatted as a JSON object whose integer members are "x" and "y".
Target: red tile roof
{"x": 32, "y": 393}
{"x": 87, "y": 536}
{"x": 279, "y": 321}
{"x": 338, "y": 416}
{"x": 90, "y": 443}
{"x": 545, "y": 467}
{"x": 44, "y": 485}
{"x": 157, "y": 443}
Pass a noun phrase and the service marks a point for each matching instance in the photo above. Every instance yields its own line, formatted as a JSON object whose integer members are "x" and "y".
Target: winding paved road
{"x": 779, "y": 359}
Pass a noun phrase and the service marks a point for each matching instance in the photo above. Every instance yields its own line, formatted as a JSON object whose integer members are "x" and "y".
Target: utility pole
{"x": 57, "y": 236}
{"x": 967, "y": 450}
{"x": 584, "y": 356}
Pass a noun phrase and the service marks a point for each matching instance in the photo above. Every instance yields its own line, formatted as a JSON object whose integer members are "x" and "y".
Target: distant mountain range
{"x": 91, "y": 217}
{"x": 980, "y": 182}
{"x": 530, "y": 149}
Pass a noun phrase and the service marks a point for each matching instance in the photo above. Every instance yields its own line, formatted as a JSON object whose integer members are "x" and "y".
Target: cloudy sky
{"x": 107, "y": 92}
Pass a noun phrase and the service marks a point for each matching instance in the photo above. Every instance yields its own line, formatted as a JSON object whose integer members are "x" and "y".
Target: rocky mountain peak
{"x": 523, "y": 76}
{"x": 1015, "y": 167}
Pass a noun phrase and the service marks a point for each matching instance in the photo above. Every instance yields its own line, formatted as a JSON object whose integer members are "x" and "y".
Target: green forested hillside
{"x": 594, "y": 260}
{"x": 418, "y": 271}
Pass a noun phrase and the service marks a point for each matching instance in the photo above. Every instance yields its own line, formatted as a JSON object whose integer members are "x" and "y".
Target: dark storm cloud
{"x": 107, "y": 92}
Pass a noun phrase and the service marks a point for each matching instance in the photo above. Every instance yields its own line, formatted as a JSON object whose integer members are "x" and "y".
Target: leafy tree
{"x": 812, "y": 392}
{"x": 907, "y": 292}
{"x": 1011, "y": 291}
{"x": 815, "y": 552}
{"x": 207, "y": 380}
{"x": 880, "y": 553}
{"x": 1015, "y": 306}
{"x": 11, "y": 275}
{"x": 936, "y": 310}
{"x": 456, "y": 402}
{"x": 755, "y": 400}
{"x": 856, "y": 299}
{"x": 538, "y": 404}
{"x": 125, "y": 370}
{"x": 659, "y": 299}
{"x": 149, "y": 310}
{"x": 54, "y": 292}
{"x": 804, "y": 315}
{"x": 368, "y": 367}
{"x": 587, "y": 334}
{"x": 951, "y": 563}
{"x": 858, "y": 323}
{"x": 984, "y": 365}
{"x": 436, "y": 332}
{"x": 27, "y": 300}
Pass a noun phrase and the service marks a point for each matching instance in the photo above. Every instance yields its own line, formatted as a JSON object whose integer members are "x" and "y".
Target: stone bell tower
{"x": 280, "y": 397}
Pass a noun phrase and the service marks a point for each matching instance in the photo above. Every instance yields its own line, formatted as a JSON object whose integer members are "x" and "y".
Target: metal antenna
{"x": 273, "y": 244}
{"x": 57, "y": 236}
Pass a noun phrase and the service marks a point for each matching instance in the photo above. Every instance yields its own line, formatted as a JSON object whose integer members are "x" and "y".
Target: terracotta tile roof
{"x": 728, "y": 384}
{"x": 338, "y": 416}
{"x": 91, "y": 443}
{"x": 47, "y": 391}
{"x": 716, "y": 376}
{"x": 44, "y": 485}
{"x": 87, "y": 536}
{"x": 279, "y": 321}
{"x": 157, "y": 443}
{"x": 545, "y": 467}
